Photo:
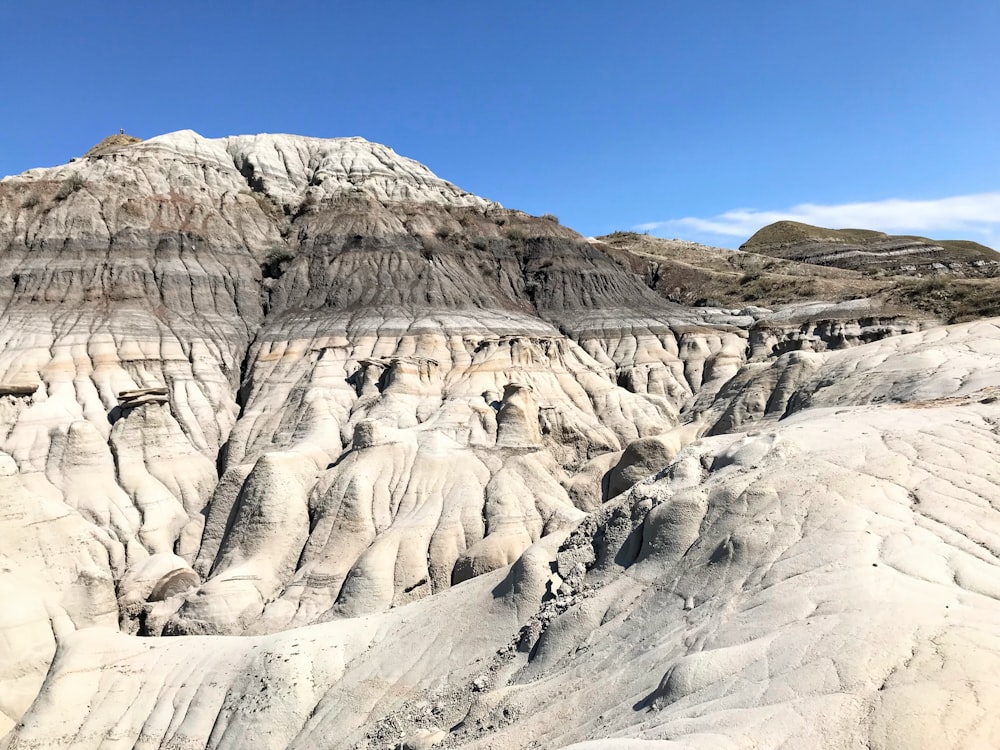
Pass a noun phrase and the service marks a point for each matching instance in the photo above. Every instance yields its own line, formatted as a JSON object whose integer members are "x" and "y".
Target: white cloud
{"x": 958, "y": 217}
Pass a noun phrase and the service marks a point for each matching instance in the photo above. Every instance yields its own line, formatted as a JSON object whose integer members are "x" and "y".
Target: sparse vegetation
{"x": 930, "y": 285}
{"x": 516, "y": 233}
{"x": 70, "y": 185}
{"x": 791, "y": 232}
{"x": 275, "y": 261}
{"x": 309, "y": 204}
{"x": 689, "y": 273}
{"x": 777, "y": 288}
{"x": 30, "y": 202}
{"x": 112, "y": 143}
{"x": 551, "y": 217}
{"x": 267, "y": 206}
{"x": 953, "y": 300}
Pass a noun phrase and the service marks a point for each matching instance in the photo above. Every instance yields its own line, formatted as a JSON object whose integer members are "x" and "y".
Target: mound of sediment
{"x": 112, "y": 143}
{"x": 872, "y": 252}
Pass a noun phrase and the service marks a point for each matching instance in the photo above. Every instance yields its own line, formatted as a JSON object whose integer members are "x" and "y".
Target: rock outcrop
{"x": 827, "y": 580}
{"x": 450, "y": 471}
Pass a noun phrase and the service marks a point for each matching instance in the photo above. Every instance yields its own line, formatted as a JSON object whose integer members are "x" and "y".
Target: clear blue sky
{"x": 612, "y": 115}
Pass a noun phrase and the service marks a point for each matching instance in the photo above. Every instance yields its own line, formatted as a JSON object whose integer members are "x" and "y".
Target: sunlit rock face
{"x": 443, "y": 465}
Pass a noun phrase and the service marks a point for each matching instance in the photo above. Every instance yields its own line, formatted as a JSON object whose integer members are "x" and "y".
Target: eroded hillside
{"x": 456, "y": 475}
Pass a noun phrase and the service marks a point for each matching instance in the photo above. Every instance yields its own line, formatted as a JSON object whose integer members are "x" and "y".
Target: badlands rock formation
{"x": 305, "y": 447}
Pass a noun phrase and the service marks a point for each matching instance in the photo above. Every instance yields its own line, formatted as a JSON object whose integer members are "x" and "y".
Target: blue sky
{"x": 703, "y": 120}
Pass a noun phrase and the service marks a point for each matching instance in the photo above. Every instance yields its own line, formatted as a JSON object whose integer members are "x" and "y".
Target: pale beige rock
{"x": 517, "y": 418}
{"x": 808, "y": 613}
{"x": 648, "y": 456}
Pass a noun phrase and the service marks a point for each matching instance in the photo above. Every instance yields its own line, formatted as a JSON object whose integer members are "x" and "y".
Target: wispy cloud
{"x": 965, "y": 216}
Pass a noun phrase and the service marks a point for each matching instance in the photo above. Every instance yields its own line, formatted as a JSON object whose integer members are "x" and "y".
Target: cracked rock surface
{"x": 302, "y": 446}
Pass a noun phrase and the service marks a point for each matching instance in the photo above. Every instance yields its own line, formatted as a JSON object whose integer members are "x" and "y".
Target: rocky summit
{"x": 302, "y": 446}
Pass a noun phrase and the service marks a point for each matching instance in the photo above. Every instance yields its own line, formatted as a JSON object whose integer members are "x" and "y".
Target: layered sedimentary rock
{"x": 826, "y": 580}
{"x": 440, "y": 465}
{"x": 783, "y": 266}
{"x": 873, "y": 252}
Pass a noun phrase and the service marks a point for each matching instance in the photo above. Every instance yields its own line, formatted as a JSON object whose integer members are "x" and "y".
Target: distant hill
{"x": 871, "y": 252}
{"x": 693, "y": 274}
